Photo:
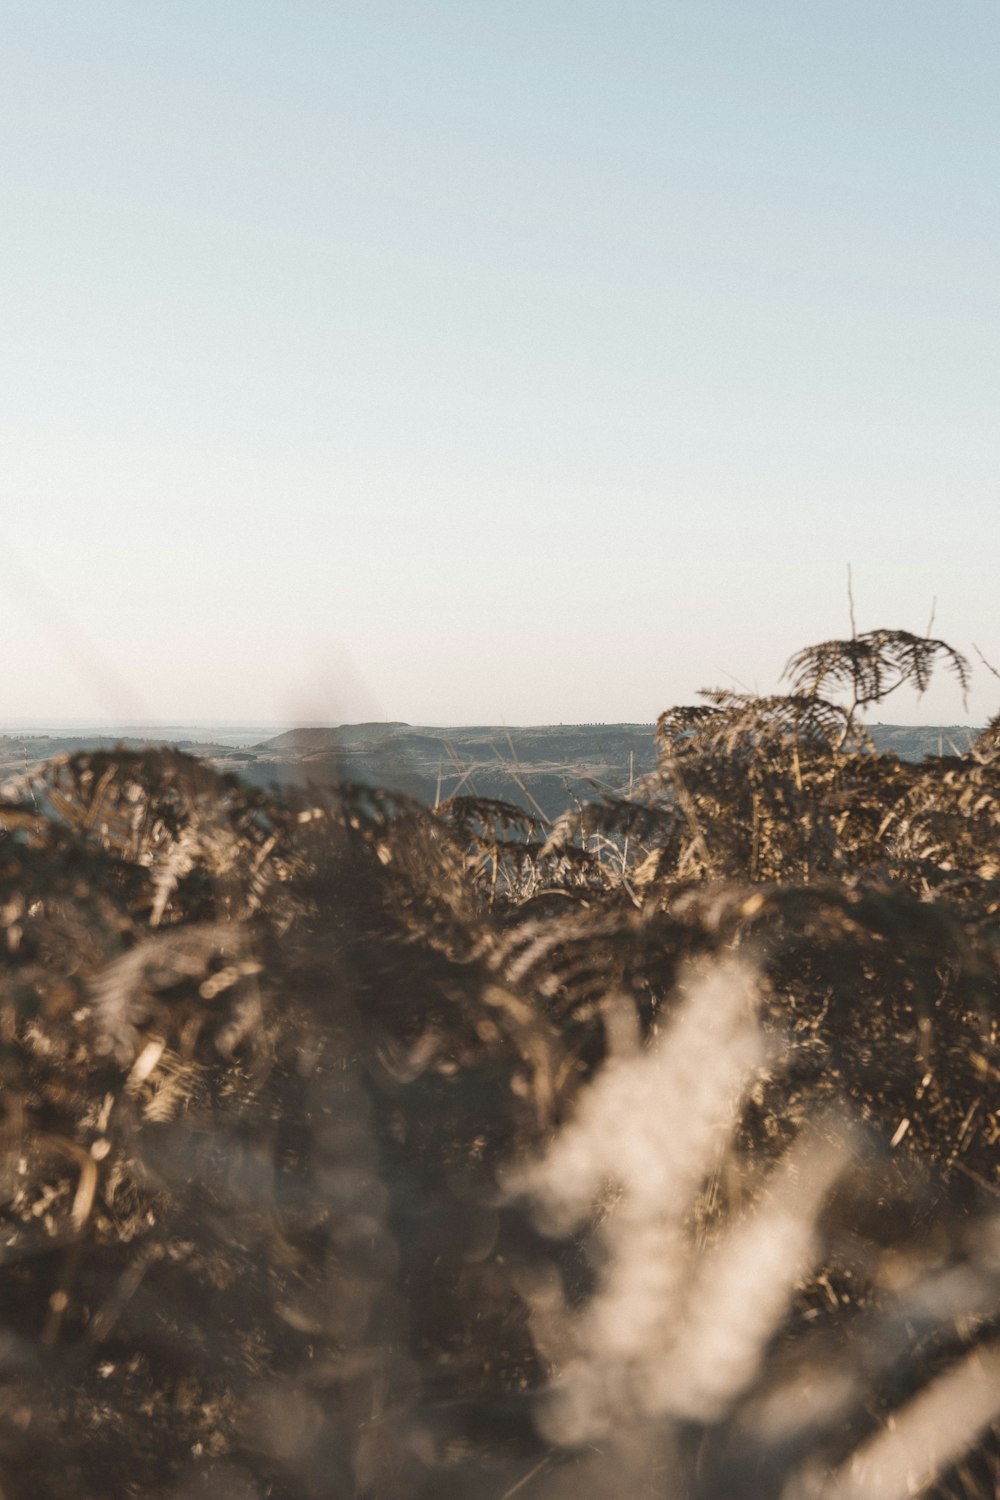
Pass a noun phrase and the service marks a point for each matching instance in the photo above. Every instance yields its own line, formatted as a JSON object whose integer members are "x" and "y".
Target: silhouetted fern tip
{"x": 354, "y": 1148}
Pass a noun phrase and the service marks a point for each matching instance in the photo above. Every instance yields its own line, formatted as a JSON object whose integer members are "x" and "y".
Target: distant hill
{"x": 544, "y": 767}
{"x": 327, "y": 737}
{"x": 918, "y": 741}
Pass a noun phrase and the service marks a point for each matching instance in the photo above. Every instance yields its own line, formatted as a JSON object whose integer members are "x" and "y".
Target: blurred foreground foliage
{"x": 351, "y": 1148}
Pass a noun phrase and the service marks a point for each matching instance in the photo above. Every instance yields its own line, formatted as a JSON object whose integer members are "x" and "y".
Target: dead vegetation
{"x": 355, "y": 1149}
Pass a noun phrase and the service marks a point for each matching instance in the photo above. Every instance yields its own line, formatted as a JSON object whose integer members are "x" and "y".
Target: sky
{"x": 466, "y": 362}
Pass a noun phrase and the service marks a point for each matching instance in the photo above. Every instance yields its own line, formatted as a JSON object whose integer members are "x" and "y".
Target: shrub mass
{"x": 354, "y": 1148}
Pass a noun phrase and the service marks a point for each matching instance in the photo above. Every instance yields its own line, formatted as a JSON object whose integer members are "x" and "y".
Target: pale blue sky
{"x": 458, "y": 362}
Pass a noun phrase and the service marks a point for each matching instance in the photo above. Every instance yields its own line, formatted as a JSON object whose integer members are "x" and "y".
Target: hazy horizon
{"x": 458, "y": 364}
{"x": 247, "y": 727}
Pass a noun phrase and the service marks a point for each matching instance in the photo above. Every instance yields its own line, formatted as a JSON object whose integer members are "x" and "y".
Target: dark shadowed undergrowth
{"x": 352, "y": 1149}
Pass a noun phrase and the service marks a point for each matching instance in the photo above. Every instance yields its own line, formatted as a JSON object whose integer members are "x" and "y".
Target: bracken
{"x": 351, "y": 1148}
